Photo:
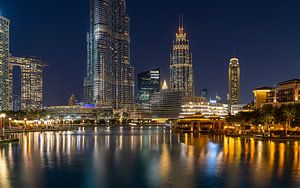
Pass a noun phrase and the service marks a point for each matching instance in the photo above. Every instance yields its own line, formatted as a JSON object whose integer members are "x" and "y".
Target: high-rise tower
{"x": 148, "y": 84}
{"x": 110, "y": 77}
{"x": 234, "y": 77}
{"x": 4, "y": 61}
{"x": 31, "y": 81}
{"x": 181, "y": 67}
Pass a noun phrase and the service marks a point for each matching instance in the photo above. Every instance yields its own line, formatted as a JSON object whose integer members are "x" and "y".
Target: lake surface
{"x": 146, "y": 157}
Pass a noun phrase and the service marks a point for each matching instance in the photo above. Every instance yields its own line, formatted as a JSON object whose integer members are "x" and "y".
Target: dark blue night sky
{"x": 264, "y": 34}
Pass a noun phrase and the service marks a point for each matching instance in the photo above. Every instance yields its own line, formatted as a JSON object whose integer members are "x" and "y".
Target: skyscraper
{"x": 148, "y": 83}
{"x": 234, "y": 89}
{"x": 181, "y": 67}
{"x": 31, "y": 82}
{"x": 4, "y": 61}
{"x": 110, "y": 77}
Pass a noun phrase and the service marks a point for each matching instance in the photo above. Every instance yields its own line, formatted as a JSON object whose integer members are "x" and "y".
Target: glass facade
{"x": 166, "y": 104}
{"x": 4, "y": 63}
{"x": 148, "y": 83}
{"x": 181, "y": 67}
{"x": 234, "y": 89}
{"x": 110, "y": 77}
{"x": 31, "y": 82}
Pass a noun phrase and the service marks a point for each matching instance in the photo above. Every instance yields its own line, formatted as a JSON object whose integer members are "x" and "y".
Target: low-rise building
{"x": 206, "y": 108}
{"x": 198, "y": 122}
{"x": 79, "y": 112}
{"x": 286, "y": 92}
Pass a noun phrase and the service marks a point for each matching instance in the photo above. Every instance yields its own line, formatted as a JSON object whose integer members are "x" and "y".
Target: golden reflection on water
{"x": 4, "y": 177}
{"x": 175, "y": 158}
{"x": 264, "y": 158}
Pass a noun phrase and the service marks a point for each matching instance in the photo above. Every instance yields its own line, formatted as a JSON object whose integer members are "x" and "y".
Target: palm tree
{"x": 268, "y": 116}
{"x": 289, "y": 113}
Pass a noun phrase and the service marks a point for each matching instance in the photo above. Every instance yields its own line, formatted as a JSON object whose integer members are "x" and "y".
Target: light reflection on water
{"x": 119, "y": 157}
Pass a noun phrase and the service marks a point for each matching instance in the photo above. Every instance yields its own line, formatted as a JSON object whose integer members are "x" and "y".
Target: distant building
{"x": 148, "y": 83}
{"x": 79, "y": 112}
{"x": 166, "y": 104}
{"x": 4, "y": 64}
{"x": 31, "y": 76}
{"x": 72, "y": 100}
{"x": 204, "y": 92}
{"x": 181, "y": 67}
{"x": 206, "y": 108}
{"x": 165, "y": 86}
{"x": 31, "y": 81}
{"x": 236, "y": 108}
{"x": 286, "y": 92}
{"x": 234, "y": 83}
{"x": 110, "y": 76}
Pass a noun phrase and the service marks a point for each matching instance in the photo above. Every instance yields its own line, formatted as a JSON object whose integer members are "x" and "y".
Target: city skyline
{"x": 255, "y": 43}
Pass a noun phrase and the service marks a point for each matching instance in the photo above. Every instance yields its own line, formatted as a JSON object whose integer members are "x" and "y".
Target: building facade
{"x": 181, "y": 67}
{"x": 234, "y": 83}
{"x": 148, "y": 83}
{"x": 286, "y": 92}
{"x": 77, "y": 112}
{"x": 31, "y": 82}
{"x": 110, "y": 77}
{"x": 166, "y": 104}
{"x": 4, "y": 64}
{"x": 206, "y": 108}
{"x": 72, "y": 100}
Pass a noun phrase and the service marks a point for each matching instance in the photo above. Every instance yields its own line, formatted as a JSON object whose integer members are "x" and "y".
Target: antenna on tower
{"x": 179, "y": 21}
{"x": 234, "y": 53}
{"x": 182, "y": 21}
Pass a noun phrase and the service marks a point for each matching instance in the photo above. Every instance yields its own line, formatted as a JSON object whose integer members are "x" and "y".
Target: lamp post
{"x": 2, "y": 116}
{"x": 25, "y": 119}
{"x": 9, "y": 123}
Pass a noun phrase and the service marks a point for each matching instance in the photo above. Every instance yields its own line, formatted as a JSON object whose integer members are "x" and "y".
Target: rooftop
{"x": 263, "y": 88}
{"x": 293, "y": 81}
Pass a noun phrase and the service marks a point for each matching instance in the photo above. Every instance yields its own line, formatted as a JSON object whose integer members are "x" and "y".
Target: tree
{"x": 289, "y": 114}
{"x": 268, "y": 116}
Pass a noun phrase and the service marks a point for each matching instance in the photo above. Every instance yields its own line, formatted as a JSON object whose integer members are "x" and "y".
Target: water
{"x": 146, "y": 157}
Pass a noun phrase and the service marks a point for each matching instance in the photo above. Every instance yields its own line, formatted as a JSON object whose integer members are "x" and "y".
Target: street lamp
{"x": 2, "y": 116}
{"x": 25, "y": 119}
{"x": 9, "y": 122}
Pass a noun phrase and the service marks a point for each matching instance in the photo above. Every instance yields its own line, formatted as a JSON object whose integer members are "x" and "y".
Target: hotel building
{"x": 31, "y": 76}
{"x": 286, "y": 92}
{"x": 31, "y": 82}
{"x": 234, "y": 80}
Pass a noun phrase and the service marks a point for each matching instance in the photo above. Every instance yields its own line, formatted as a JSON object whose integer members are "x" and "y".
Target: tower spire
{"x": 182, "y": 21}
{"x": 179, "y": 20}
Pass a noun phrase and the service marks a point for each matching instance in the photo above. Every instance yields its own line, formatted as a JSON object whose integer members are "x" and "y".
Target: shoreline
{"x": 9, "y": 135}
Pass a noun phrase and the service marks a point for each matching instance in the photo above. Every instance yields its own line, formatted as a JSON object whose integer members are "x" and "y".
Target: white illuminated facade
{"x": 207, "y": 109}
